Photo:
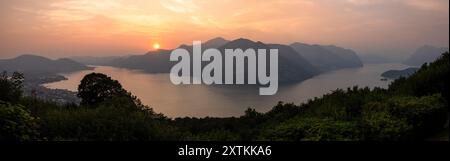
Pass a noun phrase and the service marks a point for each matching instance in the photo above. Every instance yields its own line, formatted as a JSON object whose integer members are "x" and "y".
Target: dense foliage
{"x": 16, "y": 123}
{"x": 10, "y": 86}
{"x": 412, "y": 108}
{"x": 95, "y": 88}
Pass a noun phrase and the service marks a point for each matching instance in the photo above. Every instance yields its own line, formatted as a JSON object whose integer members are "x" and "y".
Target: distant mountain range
{"x": 32, "y": 64}
{"x": 425, "y": 54}
{"x": 297, "y": 62}
{"x": 327, "y": 58}
{"x": 93, "y": 60}
{"x": 292, "y": 67}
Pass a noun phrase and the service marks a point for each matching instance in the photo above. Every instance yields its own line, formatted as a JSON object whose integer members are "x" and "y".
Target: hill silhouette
{"x": 32, "y": 64}
{"x": 327, "y": 58}
{"x": 425, "y": 54}
{"x": 292, "y": 66}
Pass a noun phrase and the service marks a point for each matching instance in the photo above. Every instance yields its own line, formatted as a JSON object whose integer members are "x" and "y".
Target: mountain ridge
{"x": 424, "y": 54}
{"x": 34, "y": 64}
{"x": 292, "y": 66}
{"x": 328, "y": 57}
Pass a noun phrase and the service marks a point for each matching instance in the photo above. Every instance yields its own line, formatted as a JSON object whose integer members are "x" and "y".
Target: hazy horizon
{"x": 57, "y": 28}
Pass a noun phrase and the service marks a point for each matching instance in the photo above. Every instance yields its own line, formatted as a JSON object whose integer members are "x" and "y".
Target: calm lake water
{"x": 158, "y": 92}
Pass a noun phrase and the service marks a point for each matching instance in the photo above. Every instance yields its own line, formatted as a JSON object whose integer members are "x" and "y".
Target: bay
{"x": 156, "y": 90}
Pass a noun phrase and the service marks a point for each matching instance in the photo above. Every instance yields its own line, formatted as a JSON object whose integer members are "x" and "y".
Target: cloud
{"x": 366, "y": 2}
{"x": 358, "y": 24}
{"x": 429, "y": 5}
{"x": 426, "y": 5}
{"x": 179, "y": 6}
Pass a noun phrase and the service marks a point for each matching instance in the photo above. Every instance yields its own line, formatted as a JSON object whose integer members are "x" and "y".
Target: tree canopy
{"x": 97, "y": 87}
{"x": 11, "y": 86}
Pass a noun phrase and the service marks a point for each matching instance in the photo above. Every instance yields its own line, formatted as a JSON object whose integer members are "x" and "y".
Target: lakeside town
{"x": 33, "y": 87}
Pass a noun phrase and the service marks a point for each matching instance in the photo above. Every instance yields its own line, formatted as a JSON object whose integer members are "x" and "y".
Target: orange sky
{"x": 58, "y": 28}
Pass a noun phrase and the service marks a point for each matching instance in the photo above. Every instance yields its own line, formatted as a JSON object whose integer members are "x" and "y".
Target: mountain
{"x": 213, "y": 43}
{"x": 328, "y": 57}
{"x": 158, "y": 61}
{"x": 151, "y": 62}
{"x": 425, "y": 54}
{"x": 292, "y": 66}
{"x": 32, "y": 64}
{"x": 349, "y": 57}
{"x": 394, "y": 74}
{"x": 93, "y": 60}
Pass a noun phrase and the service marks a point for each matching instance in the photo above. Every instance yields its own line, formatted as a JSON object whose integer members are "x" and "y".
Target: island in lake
{"x": 394, "y": 74}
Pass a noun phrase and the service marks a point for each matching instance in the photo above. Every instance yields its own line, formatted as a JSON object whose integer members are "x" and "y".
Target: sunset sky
{"x": 57, "y": 28}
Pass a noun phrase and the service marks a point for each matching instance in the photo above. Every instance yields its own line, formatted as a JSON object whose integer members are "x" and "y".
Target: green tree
{"x": 11, "y": 86}
{"x": 17, "y": 123}
{"x": 97, "y": 87}
{"x": 404, "y": 118}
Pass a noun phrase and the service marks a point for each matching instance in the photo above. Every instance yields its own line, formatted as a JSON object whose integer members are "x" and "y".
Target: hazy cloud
{"x": 179, "y": 6}
{"x": 74, "y": 27}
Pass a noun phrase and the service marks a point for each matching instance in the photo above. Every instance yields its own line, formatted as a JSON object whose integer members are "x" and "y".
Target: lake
{"x": 156, "y": 90}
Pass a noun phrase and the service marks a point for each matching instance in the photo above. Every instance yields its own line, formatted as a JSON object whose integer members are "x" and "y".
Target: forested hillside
{"x": 413, "y": 108}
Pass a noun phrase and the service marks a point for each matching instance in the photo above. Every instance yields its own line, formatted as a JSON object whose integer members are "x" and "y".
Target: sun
{"x": 156, "y": 46}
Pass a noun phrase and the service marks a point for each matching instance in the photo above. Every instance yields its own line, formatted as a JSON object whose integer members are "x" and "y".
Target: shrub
{"x": 405, "y": 118}
{"x": 16, "y": 123}
{"x": 313, "y": 129}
